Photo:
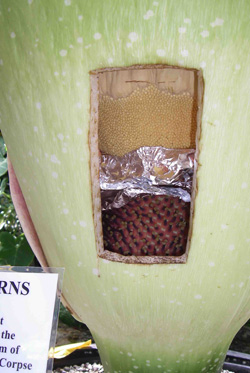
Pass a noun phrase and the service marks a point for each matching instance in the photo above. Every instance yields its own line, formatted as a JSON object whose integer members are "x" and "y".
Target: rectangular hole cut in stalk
{"x": 144, "y": 132}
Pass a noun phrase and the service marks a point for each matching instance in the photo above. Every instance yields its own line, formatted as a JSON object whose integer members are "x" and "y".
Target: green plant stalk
{"x": 150, "y": 311}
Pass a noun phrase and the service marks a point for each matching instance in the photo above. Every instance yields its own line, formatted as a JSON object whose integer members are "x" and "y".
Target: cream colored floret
{"x": 147, "y": 117}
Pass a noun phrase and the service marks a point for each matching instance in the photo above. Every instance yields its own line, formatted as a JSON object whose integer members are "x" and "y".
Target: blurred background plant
{"x": 14, "y": 248}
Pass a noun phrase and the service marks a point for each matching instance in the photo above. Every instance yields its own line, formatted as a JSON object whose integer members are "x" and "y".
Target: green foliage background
{"x": 14, "y": 248}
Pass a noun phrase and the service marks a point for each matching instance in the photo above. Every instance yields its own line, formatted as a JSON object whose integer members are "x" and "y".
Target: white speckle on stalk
{"x": 30, "y": 153}
{"x": 35, "y": 129}
{"x": 203, "y": 64}
{"x": 135, "y": 367}
{"x": 73, "y": 237}
{"x": 243, "y": 185}
{"x": 133, "y": 36}
{"x": 83, "y": 223}
{"x": 79, "y": 131}
{"x": 80, "y": 40}
{"x": 104, "y": 294}
{"x": 155, "y": 3}
{"x": 113, "y": 273}
{"x": 87, "y": 46}
{"x": 129, "y": 354}
{"x": 224, "y": 226}
{"x": 148, "y": 361}
{"x": 64, "y": 150}
{"x": 184, "y": 52}
{"x": 197, "y": 296}
{"x": 79, "y": 105}
{"x": 55, "y": 175}
{"x": 63, "y": 53}
{"x": 95, "y": 271}
{"x": 148, "y": 15}
{"x": 172, "y": 301}
{"x": 160, "y": 52}
{"x": 60, "y": 19}
{"x": 217, "y": 22}
{"x": 215, "y": 360}
{"x": 231, "y": 247}
{"x": 97, "y": 36}
{"x": 132, "y": 275}
{"x": 212, "y": 51}
{"x": 159, "y": 366}
{"x": 60, "y": 136}
{"x": 56, "y": 73}
{"x": 30, "y": 1}
{"x": 67, "y": 2}
{"x": 162, "y": 286}
{"x": 129, "y": 45}
{"x": 79, "y": 264}
{"x": 241, "y": 285}
{"x": 105, "y": 261}
{"x": 38, "y": 105}
{"x": 181, "y": 62}
{"x": 182, "y": 30}
{"x": 237, "y": 67}
{"x": 248, "y": 240}
{"x": 80, "y": 17}
{"x": 110, "y": 60}
{"x": 115, "y": 289}
{"x": 205, "y": 33}
{"x": 54, "y": 159}
{"x": 211, "y": 264}
{"x": 187, "y": 20}
{"x": 121, "y": 352}
{"x": 65, "y": 211}
{"x": 12, "y": 35}
{"x": 1, "y": 62}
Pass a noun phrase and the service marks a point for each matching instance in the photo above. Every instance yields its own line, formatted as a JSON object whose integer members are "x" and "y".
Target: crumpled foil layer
{"x": 150, "y": 170}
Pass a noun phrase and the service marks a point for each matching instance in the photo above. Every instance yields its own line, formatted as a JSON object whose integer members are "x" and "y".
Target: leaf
{"x": 2, "y": 147}
{"x": 14, "y": 251}
{"x": 3, "y": 185}
{"x": 3, "y": 166}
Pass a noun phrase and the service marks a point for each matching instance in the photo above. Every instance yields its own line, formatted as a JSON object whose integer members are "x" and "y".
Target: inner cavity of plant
{"x": 148, "y": 128}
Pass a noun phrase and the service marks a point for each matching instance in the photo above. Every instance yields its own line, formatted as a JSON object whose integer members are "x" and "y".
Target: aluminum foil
{"x": 151, "y": 170}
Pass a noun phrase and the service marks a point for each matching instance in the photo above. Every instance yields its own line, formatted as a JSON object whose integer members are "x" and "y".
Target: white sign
{"x": 27, "y": 302}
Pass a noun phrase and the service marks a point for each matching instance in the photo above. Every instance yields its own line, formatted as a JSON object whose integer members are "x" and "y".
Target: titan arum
{"x": 81, "y": 79}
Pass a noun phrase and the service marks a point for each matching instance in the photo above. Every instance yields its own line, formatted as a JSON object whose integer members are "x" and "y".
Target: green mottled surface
{"x": 185, "y": 315}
